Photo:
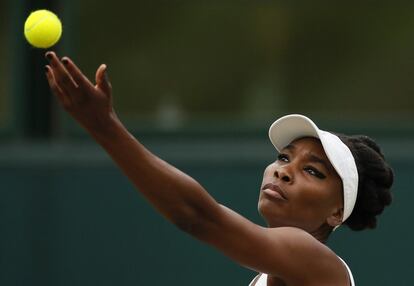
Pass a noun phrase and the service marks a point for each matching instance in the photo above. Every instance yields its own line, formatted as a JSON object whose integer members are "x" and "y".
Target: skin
{"x": 287, "y": 250}
{"x": 312, "y": 187}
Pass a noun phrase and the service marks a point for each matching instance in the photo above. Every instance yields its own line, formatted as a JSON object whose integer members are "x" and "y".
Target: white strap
{"x": 349, "y": 272}
{"x": 259, "y": 280}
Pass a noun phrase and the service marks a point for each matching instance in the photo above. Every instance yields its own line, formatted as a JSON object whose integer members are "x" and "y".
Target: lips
{"x": 274, "y": 191}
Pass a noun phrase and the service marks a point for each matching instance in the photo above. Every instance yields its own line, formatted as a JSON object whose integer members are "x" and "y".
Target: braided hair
{"x": 375, "y": 180}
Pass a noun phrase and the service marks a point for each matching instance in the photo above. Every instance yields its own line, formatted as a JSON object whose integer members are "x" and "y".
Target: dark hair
{"x": 375, "y": 180}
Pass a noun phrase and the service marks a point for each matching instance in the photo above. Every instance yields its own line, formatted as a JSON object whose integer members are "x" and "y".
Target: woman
{"x": 319, "y": 181}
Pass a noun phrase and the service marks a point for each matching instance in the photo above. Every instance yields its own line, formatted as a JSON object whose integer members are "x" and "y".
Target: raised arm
{"x": 178, "y": 197}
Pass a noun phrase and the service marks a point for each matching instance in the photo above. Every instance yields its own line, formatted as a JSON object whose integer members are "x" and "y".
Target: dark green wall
{"x": 69, "y": 217}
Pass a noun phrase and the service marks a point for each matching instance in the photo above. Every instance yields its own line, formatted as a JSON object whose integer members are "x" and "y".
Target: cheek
{"x": 314, "y": 197}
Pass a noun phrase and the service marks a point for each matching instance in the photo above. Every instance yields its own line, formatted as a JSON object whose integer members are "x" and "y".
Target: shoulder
{"x": 309, "y": 259}
{"x": 300, "y": 241}
{"x": 286, "y": 252}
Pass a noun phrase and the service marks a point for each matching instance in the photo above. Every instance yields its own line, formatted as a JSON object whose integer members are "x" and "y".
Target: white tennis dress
{"x": 263, "y": 277}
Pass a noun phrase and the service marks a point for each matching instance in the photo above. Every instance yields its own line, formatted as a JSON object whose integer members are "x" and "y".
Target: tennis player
{"x": 319, "y": 181}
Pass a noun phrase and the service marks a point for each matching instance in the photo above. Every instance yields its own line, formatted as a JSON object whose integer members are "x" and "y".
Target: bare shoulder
{"x": 311, "y": 260}
{"x": 300, "y": 239}
{"x": 286, "y": 252}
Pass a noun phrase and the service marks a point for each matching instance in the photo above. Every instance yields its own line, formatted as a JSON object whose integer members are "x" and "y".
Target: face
{"x": 301, "y": 188}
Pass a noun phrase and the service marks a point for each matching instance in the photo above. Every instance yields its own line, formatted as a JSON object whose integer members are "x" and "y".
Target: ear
{"x": 335, "y": 218}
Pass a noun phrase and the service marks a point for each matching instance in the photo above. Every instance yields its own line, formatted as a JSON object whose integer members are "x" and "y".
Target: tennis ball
{"x": 42, "y": 29}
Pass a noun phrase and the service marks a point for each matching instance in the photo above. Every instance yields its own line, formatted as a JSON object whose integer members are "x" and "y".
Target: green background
{"x": 198, "y": 82}
{"x": 79, "y": 221}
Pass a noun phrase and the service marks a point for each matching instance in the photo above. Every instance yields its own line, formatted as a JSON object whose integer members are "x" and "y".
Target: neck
{"x": 322, "y": 233}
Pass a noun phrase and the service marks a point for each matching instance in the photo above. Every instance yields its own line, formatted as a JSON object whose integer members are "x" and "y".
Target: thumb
{"x": 102, "y": 80}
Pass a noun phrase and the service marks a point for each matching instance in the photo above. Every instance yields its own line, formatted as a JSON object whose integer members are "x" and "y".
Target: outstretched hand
{"x": 90, "y": 104}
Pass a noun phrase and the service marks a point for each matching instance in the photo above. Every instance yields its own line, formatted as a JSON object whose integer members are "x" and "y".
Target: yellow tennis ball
{"x": 42, "y": 29}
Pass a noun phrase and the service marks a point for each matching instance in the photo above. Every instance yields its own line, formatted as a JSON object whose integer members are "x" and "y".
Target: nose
{"x": 284, "y": 174}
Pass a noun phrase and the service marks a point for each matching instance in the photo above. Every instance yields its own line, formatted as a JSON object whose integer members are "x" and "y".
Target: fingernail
{"x": 106, "y": 72}
{"x": 49, "y": 55}
{"x": 65, "y": 61}
{"x": 46, "y": 68}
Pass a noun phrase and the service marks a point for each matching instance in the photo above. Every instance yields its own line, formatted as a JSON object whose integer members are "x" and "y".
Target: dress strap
{"x": 351, "y": 278}
{"x": 254, "y": 280}
{"x": 259, "y": 280}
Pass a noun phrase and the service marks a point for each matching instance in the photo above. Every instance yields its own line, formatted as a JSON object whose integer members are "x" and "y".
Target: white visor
{"x": 290, "y": 127}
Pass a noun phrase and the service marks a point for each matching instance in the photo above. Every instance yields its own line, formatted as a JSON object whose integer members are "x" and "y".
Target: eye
{"x": 283, "y": 157}
{"x": 314, "y": 172}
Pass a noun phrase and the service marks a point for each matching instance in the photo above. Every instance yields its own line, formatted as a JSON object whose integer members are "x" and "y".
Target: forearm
{"x": 177, "y": 196}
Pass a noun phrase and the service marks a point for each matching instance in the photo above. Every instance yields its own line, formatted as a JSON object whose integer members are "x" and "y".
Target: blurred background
{"x": 199, "y": 83}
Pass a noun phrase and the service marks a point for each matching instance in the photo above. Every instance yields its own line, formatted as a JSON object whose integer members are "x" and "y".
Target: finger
{"x": 55, "y": 88}
{"x": 62, "y": 78}
{"x": 76, "y": 74}
{"x": 102, "y": 80}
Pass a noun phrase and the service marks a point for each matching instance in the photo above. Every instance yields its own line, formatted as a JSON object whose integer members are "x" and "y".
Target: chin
{"x": 274, "y": 215}
{"x": 269, "y": 212}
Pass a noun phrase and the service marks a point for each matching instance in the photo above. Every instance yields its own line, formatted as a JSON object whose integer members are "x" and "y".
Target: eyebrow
{"x": 316, "y": 159}
{"x": 313, "y": 158}
{"x": 290, "y": 147}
